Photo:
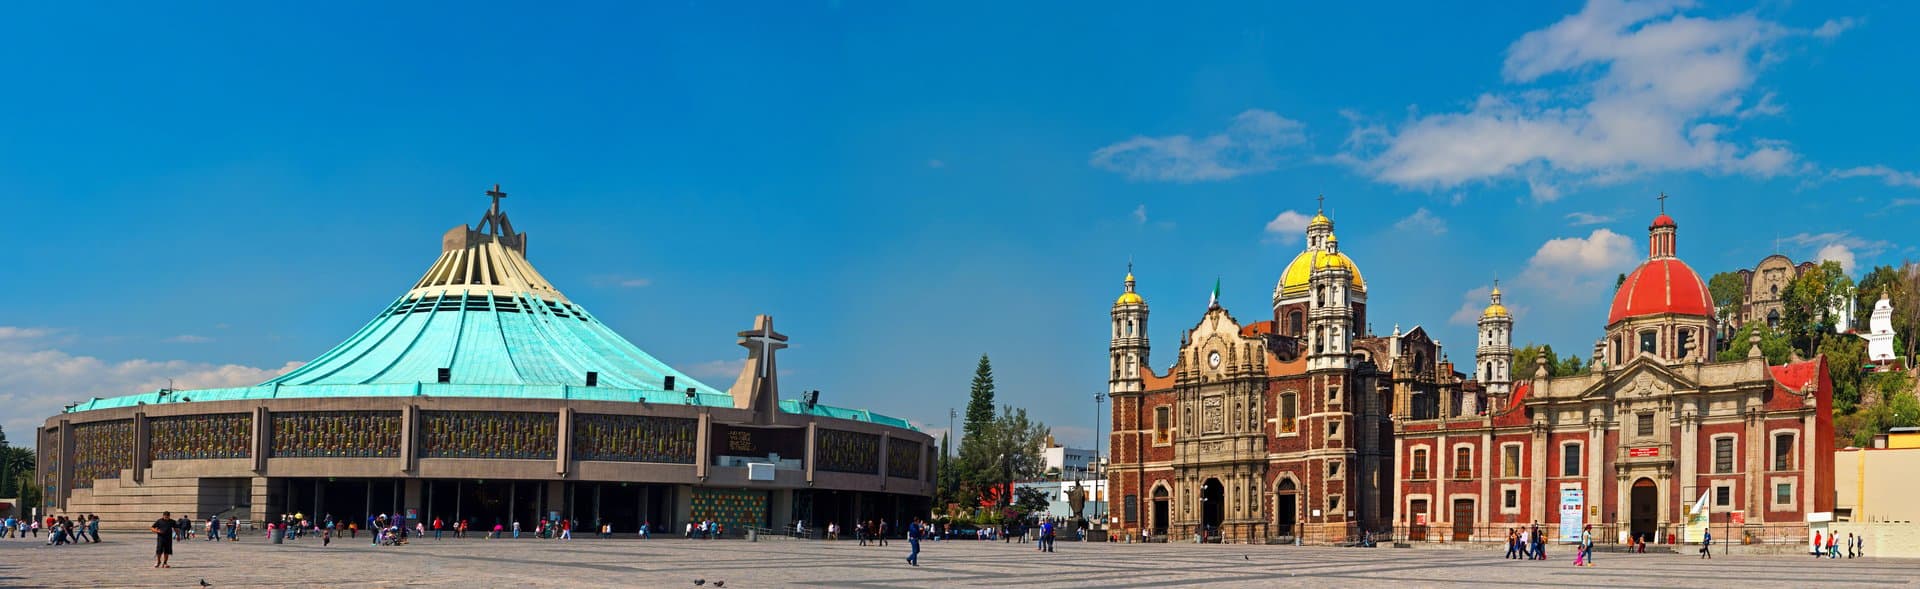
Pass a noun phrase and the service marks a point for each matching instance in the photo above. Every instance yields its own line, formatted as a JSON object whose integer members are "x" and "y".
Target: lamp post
{"x": 1098, "y": 400}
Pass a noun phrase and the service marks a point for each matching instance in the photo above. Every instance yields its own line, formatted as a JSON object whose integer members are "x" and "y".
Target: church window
{"x": 1294, "y": 322}
{"x": 1419, "y": 464}
{"x": 1333, "y": 505}
{"x": 1570, "y": 460}
{"x": 1333, "y": 469}
{"x": 1463, "y": 463}
{"x": 1783, "y": 451}
{"x": 1616, "y": 350}
{"x": 1723, "y": 496}
{"x": 1686, "y": 344}
{"x": 1129, "y": 329}
{"x": 1773, "y": 318}
{"x": 1333, "y": 429}
{"x": 1783, "y": 494}
{"x": 1512, "y": 498}
{"x": 1510, "y": 460}
{"x": 1161, "y": 428}
{"x": 1644, "y": 425}
{"x": 1333, "y": 394}
{"x": 1288, "y": 411}
{"x": 1649, "y": 341}
{"x": 1723, "y": 455}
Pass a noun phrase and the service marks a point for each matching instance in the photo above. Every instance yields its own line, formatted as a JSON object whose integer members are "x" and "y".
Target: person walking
{"x": 1833, "y": 546}
{"x": 883, "y": 532}
{"x": 163, "y": 540}
{"x": 233, "y": 529}
{"x": 1586, "y": 546}
{"x": 1819, "y": 543}
{"x": 1706, "y": 545}
{"x": 914, "y": 531}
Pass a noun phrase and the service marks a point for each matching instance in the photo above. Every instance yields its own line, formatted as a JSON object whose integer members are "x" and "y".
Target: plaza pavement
{"x": 126, "y": 561}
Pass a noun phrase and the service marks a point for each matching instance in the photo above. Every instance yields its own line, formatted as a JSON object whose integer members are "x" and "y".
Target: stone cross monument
{"x": 758, "y": 388}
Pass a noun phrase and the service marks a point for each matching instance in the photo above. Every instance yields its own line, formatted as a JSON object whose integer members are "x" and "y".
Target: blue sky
{"x": 211, "y": 191}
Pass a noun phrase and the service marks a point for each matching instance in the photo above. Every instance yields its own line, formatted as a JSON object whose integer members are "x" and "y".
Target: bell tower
{"x": 1493, "y": 358}
{"x": 1329, "y": 312}
{"x": 1127, "y": 351}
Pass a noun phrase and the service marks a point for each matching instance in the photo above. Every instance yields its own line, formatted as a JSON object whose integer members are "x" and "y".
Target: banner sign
{"x": 1572, "y": 507}
{"x": 1647, "y": 452}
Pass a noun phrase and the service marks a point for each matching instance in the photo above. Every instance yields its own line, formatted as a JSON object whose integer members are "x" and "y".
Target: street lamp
{"x": 1098, "y": 399}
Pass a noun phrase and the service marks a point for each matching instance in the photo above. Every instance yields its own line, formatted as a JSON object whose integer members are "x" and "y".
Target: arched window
{"x": 1294, "y": 322}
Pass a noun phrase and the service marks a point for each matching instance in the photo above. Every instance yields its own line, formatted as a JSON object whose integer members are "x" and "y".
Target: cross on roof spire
{"x": 497, "y": 195}
{"x": 1322, "y": 207}
{"x": 1663, "y": 201}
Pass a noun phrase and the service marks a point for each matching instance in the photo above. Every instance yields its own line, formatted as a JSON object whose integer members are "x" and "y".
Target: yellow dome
{"x": 1293, "y": 282}
{"x": 1130, "y": 299}
{"x": 1319, "y": 219}
{"x": 1495, "y": 310}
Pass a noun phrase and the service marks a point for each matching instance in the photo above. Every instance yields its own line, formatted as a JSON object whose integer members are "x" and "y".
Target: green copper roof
{"x": 498, "y": 329}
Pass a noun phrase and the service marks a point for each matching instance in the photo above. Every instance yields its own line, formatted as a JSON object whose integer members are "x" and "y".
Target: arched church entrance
{"x": 1161, "y": 511}
{"x": 1213, "y": 503}
{"x": 1644, "y": 508}
{"x": 1287, "y": 511}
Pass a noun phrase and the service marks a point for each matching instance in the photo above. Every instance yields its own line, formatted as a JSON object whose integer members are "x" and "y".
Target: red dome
{"x": 1659, "y": 286}
{"x": 1664, "y": 221}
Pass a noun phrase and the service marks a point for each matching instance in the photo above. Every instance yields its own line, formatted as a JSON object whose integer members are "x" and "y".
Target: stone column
{"x": 1595, "y": 455}
{"x": 557, "y": 499}
{"x": 262, "y": 438}
{"x": 563, "y": 455}
{"x": 886, "y": 439}
{"x": 1807, "y": 460}
{"x": 1756, "y": 466}
{"x": 703, "y": 451}
{"x": 262, "y": 499}
{"x": 1399, "y": 488}
{"x": 813, "y": 442}
{"x": 409, "y": 434}
{"x": 142, "y": 447}
{"x": 63, "y": 481}
{"x": 1688, "y": 462}
{"x": 1483, "y": 511}
{"x": 1538, "y": 472}
{"x": 412, "y": 498}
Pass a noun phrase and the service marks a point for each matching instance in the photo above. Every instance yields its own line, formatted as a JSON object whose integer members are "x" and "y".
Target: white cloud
{"x": 1140, "y": 214}
{"x": 1422, "y": 220}
{"x": 188, "y": 338}
{"x": 37, "y": 380}
{"x": 1832, "y": 28}
{"x": 620, "y": 281}
{"x": 1471, "y": 305}
{"x": 717, "y": 369}
{"x": 1579, "y": 266}
{"x": 1837, "y": 252}
{"x": 20, "y": 333}
{"x": 1255, "y": 142}
{"x": 1617, "y": 90}
{"x": 1581, "y": 218}
{"x": 1287, "y": 226}
{"x": 1890, "y": 176}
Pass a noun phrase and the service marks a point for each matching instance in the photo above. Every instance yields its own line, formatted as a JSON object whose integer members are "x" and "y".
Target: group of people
{"x": 705, "y": 528}
{"x": 1527, "y": 543}
{"x": 1856, "y": 545}
{"x": 60, "y": 529}
{"x": 871, "y": 532}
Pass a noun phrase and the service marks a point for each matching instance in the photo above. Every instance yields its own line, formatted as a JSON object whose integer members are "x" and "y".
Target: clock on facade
{"x": 1213, "y": 359}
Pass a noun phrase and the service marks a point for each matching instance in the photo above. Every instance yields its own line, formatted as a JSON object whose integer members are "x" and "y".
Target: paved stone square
{"x": 125, "y": 561}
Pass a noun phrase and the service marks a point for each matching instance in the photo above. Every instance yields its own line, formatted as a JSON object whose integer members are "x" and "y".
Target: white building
{"x": 1072, "y": 463}
{"x": 1880, "y": 332}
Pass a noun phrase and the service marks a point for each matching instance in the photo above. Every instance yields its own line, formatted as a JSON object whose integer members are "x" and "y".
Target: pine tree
{"x": 980, "y": 407}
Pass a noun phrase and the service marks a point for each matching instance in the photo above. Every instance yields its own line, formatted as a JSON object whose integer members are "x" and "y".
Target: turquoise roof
{"x": 500, "y": 330}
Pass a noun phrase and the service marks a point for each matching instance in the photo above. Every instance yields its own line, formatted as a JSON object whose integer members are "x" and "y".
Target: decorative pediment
{"x": 1644, "y": 377}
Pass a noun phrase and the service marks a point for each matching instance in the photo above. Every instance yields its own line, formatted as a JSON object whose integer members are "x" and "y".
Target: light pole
{"x": 1098, "y": 399}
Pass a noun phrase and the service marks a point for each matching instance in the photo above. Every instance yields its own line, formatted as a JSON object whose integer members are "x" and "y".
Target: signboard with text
{"x": 1643, "y": 452}
{"x": 758, "y": 442}
{"x": 1572, "y": 507}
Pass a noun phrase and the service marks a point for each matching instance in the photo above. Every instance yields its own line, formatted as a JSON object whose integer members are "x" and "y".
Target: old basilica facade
{"x": 1304, "y": 425}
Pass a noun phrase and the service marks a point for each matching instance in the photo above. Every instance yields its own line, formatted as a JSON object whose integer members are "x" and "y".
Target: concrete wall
{"x": 1884, "y": 539}
{"x": 1876, "y": 485}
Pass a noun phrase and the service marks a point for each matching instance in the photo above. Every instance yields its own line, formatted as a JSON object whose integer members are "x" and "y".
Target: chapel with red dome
{"x": 1663, "y": 307}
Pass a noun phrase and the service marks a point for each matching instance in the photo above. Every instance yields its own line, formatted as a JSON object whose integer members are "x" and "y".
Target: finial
{"x": 1322, "y": 207}
{"x": 1663, "y": 201}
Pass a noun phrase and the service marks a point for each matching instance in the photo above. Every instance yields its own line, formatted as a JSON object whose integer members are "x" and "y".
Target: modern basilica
{"x": 1304, "y": 425}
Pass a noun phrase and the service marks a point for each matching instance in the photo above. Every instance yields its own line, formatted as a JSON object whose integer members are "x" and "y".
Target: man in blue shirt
{"x": 914, "y": 532}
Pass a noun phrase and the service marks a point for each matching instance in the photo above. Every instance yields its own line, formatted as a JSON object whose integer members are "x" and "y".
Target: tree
{"x": 1845, "y": 355}
{"x": 1881, "y": 279}
{"x": 1809, "y": 299}
{"x": 1524, "y": 356}
{"x": 1006, "y": 450}
{"x": 1906, "y": 307}
{"x": 1030, "y": 501}
{"x": 1728, "y": 292}
{"x": 949, "y": 474}
{"x": 1773, "y": 344}
{"x": 980, "y": 403}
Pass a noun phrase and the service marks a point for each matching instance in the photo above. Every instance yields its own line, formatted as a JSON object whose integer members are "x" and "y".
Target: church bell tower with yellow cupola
{"x": 1127, "y": 351}
{"x": 1493, "y": 358}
